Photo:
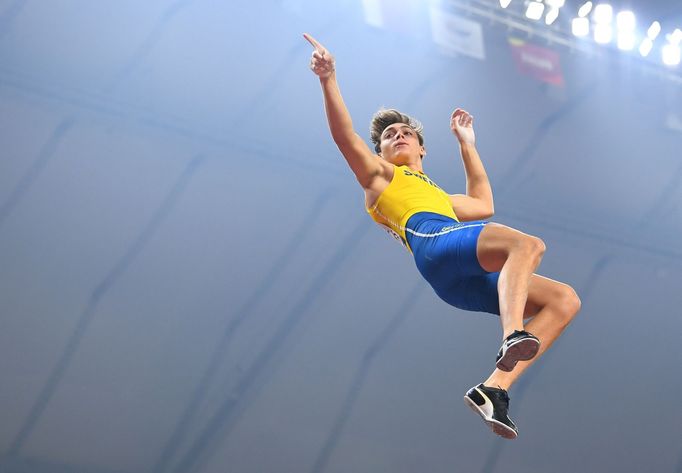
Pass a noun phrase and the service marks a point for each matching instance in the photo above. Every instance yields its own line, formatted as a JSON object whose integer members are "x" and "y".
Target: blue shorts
{"x": 445, "y": 253}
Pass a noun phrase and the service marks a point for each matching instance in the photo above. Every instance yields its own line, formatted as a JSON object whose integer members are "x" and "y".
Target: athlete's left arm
{"x": 477, "y": 204}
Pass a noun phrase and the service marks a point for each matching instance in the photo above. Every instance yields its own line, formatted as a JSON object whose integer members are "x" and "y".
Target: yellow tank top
{"x": 408, "y": 192}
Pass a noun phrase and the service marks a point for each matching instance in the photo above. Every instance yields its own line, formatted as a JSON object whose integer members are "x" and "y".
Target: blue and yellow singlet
{"x": 408, "y": 192}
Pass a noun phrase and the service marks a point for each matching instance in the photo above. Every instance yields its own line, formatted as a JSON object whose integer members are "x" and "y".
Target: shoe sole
{"x": 496, "y": 426}
{"x": 523, "y": 350}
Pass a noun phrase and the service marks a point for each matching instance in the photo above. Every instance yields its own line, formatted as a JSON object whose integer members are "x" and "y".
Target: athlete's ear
{"x": 422, "y": 152}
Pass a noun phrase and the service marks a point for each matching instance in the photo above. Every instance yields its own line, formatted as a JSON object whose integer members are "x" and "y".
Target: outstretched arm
{"x": 478, "y": 202}
{"x": 364, "y": 164}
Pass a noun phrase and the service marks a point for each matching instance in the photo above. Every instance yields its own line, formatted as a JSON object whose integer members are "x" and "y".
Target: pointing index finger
{"x": 314, "y": 42}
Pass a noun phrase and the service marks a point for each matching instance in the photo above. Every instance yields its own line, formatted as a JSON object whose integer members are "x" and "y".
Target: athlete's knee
{"x": 532, "y": 246}
{"x": 566, "y": 302}
{"x": 538, "y": 245}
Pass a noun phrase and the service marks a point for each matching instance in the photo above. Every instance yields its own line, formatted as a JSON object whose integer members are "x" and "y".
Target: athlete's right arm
{"x": 364, "y": 164}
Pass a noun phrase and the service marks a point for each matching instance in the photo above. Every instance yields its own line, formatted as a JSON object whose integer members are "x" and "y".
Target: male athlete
{"x": 471, "y": 263}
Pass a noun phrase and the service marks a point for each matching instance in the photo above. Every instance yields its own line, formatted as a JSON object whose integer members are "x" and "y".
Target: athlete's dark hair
{"x": 385, "y": 117}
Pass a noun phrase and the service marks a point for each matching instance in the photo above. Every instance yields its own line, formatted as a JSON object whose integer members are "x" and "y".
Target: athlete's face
{"x": 399, "y": 142}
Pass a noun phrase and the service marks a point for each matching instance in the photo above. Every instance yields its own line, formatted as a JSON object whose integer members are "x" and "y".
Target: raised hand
{"x": 461, "y": 124}
{"x": 321, "y": 62}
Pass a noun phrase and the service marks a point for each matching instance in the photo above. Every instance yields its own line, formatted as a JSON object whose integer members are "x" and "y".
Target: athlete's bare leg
{"x": 523, "y": 294}
{"x": 516, "y": 256}
{"x": 552, "y": 305}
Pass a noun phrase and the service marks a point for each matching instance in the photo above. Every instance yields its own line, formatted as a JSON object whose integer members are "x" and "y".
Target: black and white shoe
{"x": 519, "y": 346}
{"x": 492, "y": 405}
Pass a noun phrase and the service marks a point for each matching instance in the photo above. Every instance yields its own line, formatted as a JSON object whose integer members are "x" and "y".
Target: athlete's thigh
{"x": 541, "y": 292}
{"x": 494, "y": 244}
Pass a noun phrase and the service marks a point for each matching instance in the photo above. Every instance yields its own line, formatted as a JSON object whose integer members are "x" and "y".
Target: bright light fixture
{"x": 552, "y": 15}
{"x": 603, "y": 33}
{"x": 603, "y": 13}
{"x": 645, "y": 47}
{"x": 671, "y": 54}
{"x": 653, "y": 30}
{"x": 555, "y": 3}
{"x": 675, "y": 37}
{"x": 625, "y": 21}
{"x": 505, "y": 3}
{"x": 626, "y": 40}
{"x": 580, "y": 26}
{"x": 585, "y": 9}
{"x": 534, "y": 10}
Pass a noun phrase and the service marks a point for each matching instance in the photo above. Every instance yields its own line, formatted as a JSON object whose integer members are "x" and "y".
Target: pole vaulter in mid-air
{"x": 471, "y": 263}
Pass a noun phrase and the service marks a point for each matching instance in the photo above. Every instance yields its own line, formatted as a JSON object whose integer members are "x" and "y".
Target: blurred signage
{"x": 457, "y": 35}
{"x": 540, "y": 63}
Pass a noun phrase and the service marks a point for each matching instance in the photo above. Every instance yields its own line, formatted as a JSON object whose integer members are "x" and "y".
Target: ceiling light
{"x": 626, "y": 40}
{"x": 653, "y": 30}
{"x": 534, "y": 10}
{"x": 671, "y": 55}
{"x": 555, "y": 3}
{"x": 585, "y": 10}
{"x": 603, "y": 33}
{"x": 625, "y": 20}
{"x": 675, "y": 37}
{"x": 580, "y": 26}
{"x": 645, "y": 47}
{"x": 603, "y": 13}
{"x": 552, "y": 15}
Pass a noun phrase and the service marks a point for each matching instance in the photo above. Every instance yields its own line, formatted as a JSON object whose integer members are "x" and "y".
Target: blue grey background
{"x": 189, "y": 281}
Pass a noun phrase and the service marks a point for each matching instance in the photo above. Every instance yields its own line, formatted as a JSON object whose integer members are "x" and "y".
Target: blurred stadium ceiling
{"x": 513, "y": 15}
